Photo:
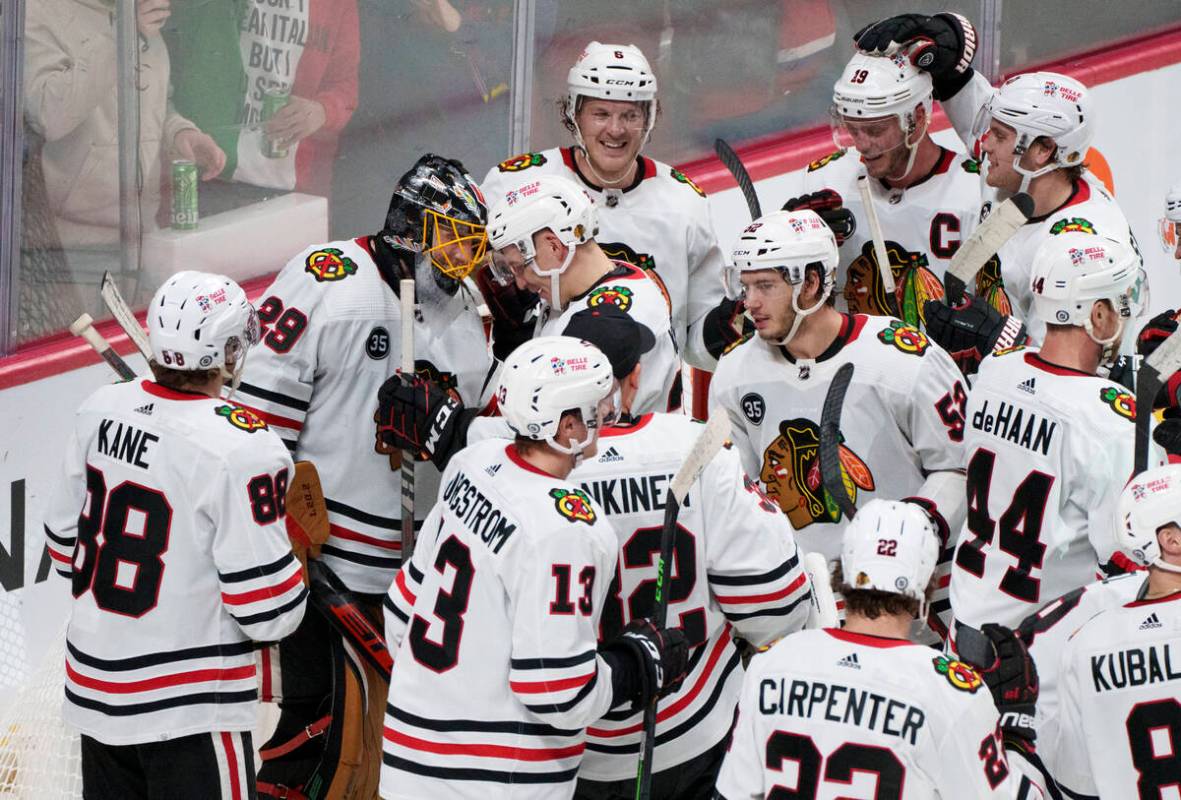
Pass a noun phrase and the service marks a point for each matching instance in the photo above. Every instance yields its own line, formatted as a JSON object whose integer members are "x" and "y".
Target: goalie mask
{"x": 1149, "y": 502}
{"x": 892, "y": 547}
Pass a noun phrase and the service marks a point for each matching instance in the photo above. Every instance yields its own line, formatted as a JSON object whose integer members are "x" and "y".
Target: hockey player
{"x": 543, "y": 239}
{"x": 331, "y": 336}
{"x": 1048, "y": 444}
{"x": 927, "y": 197}
{"x": 864, "y": 708}
{"x": 651, "y": 215}
{"x": 904, "y": 438}
{"x": 1121, "y": 672}
{"x": 169, "y": 522}
{"x": 1170, "y": 224}
{"x": 493, "y": 621}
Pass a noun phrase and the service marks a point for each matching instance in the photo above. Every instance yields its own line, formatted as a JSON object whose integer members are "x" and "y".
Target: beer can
{"x": 184, "y": 195}
{"x": 273, "y": 99}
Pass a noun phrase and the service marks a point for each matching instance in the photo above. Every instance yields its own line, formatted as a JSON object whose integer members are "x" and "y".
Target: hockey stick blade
{"x": 716, "y": 432}
{"x": 1005, "y": 220}
{"x": 830, "y": 440}
{"x": 123, "y": 315}
{"x": 1156, "y": 369}
{"x": 84, "y": 328}
{"x": 879, "y": 244}
{"x": 733, "y": 163}
{"x": 824, "y": 603}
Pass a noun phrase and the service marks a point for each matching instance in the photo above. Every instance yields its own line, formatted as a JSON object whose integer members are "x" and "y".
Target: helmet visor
{"x": 456, "y": 247}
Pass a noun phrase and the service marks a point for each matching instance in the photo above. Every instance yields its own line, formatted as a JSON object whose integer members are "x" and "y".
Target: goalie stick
{"x": 879, "y": 244}
{"x": 717, "y": 430}
{"x": 830, "y": 440}
{"x": 343, "y": 611}
{"x": 84, "y": 327}
{"x": 824, "y": 603}
{"x": 1005, "y": 220}
{"x": 406, "y": 295}
{"x": 1153, "y": 373}
{"x": 733, "y": 163}
{"x": 122, "y": 314}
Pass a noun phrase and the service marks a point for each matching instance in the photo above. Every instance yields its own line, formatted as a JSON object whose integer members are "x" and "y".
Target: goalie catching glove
{"x": 943, "y": 45}
{"x": 971, "y": 330}
{"x": 830, "y": 206}
{"x": 646, "y": 662}
{"x": 421, "y": 417}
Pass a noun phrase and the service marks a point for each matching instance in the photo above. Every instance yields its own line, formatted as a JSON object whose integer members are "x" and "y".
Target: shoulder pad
{"x": 522, "y": 162}
{"x": 573, "y": 505}
{"x": 904, "y": 338}
{"x": 959, "y": 674}
{"x": 241, "y": 418}
{"x": 1071, "y": 224}
{"x": 328, "y": 264}
{"x": 681, "y": 177}
{"x": 1119, "y": 400}
{"x": 970, "y": 165}
{"x": 828, "y": 159}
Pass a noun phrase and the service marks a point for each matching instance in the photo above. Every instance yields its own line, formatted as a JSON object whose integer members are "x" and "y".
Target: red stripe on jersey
{"x": 341, "y": 532}
{"x": 161, "y": 682}
{"x": 484, "y": 750}
{"x": 944, "y": 581}
{"x": 763, "y": 598}
{"x": 263, "y": 593}
{"x": 157, "y": 390}
{"x": 867, "y": 639}
{"x": 62, "y": 557}
{"x": 275, "y": 420}
{"x": 400, "y": 582}
{"x": 537, "y": 687}
{"x": 227, "y": 741}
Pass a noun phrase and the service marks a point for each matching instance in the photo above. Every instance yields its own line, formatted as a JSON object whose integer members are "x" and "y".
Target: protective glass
{"x": 874, "y": 136}
{"x": 506, "y": 263}
{"x": 457, "y": 247}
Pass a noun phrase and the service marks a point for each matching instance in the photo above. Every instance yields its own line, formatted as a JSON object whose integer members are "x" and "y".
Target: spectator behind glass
{"x": 228, "y": 53}
{"x": 70, "y": 100}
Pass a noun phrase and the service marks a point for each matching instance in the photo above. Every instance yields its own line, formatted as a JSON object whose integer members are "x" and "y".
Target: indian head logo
{"x": 523, "y": 161}
{"x": 241, "y": 418}
{"x": 990, "y": 287}
{"x": 329, "y": 264}
{"x": 618, "y": 296}
{"x": 914, "y": 281}
{"x": 791, "y": 473}
{"x": 574, "y": 505}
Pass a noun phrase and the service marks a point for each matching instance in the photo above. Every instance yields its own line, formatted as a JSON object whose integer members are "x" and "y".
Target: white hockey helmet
{"x": 880, "y": 86}
{"x": 611, "y": 72}
{"x": 1171, "y": 220}
{"x": 550, "y": 375}
{"x": 787, "y": 241}
{"x": 890, "y": 546}
{"x": 1042, "y": 104}
{"x": 550, "y": 201}
{"x": 198, "y": 321}
{"x": 1150, "y": 501}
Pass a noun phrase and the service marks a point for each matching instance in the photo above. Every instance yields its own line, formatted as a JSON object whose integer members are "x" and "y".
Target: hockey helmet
{"x": 611, "y": 72}
{"x": 199, "y": 321}
{"x": 1150, "y": 501}
{"x": 1073, "y": 270}
{"x": 890, "y": 546}
{"x": 872, "y": 87}
{"x": 546, "y": 377}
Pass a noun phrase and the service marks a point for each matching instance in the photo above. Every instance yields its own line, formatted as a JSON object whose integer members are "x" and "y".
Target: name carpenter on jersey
{"x": 838, "y": 703}
{"x": 1017, "y": 425}
{"x": 1136, "y": 667}
{"x": 477, "y": 513}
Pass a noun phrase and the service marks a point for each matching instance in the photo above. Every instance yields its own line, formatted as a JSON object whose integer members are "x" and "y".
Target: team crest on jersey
{"x": 959, "y": 674}
{"x": 618, "y": 296}
{"x": 523, "y": 161}
{"x": 908, "y": 340}
{"x": 1120, "y": 400}
{"x": 791, "y": 473}
{"x": 1071, "y": 225}
{"x": 330, "y": 264}
{"x": 828, "y": 159}
{"x": 618, "y": 251}
{"x": 685, "y": 179}
{"x": 990, "y": 287}
{"x": 573, "y": 504}
{"x": 971, "y": 166}
{"x": 914, "y": 281}
{"x": 241, "y": 418}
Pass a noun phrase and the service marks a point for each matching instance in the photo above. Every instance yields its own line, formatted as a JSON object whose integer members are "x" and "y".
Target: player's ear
{"x": 1103, "y": 318}
{"x": 548, "y": 241}
{"x": 1042, "y": 151}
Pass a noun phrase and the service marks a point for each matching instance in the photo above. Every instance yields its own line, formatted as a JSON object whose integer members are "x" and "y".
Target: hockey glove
{"x": 646, "y": 662}
{"x": 971, "y": 330}
{"x": 420, "y": 417}
{"x": 943, "y": 45}
{"x": 1010, "y": 674}
{"x": 725, "y": 327}
{"x": 829, "y": 205}
{"x": 1168, "y": 436}
{"x": 1159, "y": 328}
{"x": 510, "y": 308}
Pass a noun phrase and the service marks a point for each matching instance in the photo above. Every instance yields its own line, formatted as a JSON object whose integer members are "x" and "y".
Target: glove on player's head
{"x": 438, "y": 210}
{"x": 548, "y": 376}
{"x": 1149, "y": 502}
{"x": 610, "y": 72}
{"x": 891, "y": 546}
{"x": 200, "y": 321}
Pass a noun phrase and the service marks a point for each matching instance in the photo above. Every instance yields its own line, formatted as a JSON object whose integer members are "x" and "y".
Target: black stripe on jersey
{"x": 60, "y": 541}
{"x": 782, "y": 611}
{"x": 265, "y": 616}
{"x": 290, "y": 444}
{"x": 66, "y": 572}
{"x": 389, "y": 606}
{"x": 1077, "y": 795}
{"x": 939, "y": 606}
{"x": 166, "y": 657}
{"x": 414, "y": 572}
{"x": 256, "y": 572}
{"x": 273, "y": 396}
{"x": 555, "y": 708}
{"x": 131, "y": 709}
{"x": 361, "y": 558}
{"x": 468, "y": 774}
{"x": 750, "y": 580}
{"x": 553, "y": 663}
{"x": 478, "y": 726}
{"x": 685, "y": 726}
{"x": 389, "y": 523}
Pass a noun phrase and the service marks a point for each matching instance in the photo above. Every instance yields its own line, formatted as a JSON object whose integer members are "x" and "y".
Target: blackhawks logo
{"x": 241, "y": 418}
{"x": 523, "y": 161}
{"x": 960, "y": 675}
{"x": 618, "y": 296}
{"x": 991, "y": 286}
{"x": 791, "y": 473}
{"x": 1120, "y": 401}
{"x": 821, "y": 162}
{"x": 905, "y": 338}
{"x": 914, "y": 281}
{"x": 330, "y": 264}
{"x": 1072, "y": 224}
{"x": 685, "y": 179}
{"x": 573, "y": 504}
{"x": 971, "y": 166}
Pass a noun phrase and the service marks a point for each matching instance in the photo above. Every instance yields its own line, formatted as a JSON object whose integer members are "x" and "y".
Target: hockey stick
{"x": 824, "y": 604}
{"x": 879, "y": 244}
{"x": 733, "y": 163}
{"x": 343, "y": 611}
{"x": 406, "y": 294}
{"x": 830, "y": 440}
{"x": 1153, "y": 373}
{"x": 84, "y": 327}
{"x": 717, "y": 430}
{"x": 122, "y": 313}
{"x": 1005, "y": 220}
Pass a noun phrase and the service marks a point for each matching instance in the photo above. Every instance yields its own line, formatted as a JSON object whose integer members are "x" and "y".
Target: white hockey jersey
{"x": 1121, "y": 718}
{"x": 493, "y": 627}
{"x": 1048, "y": 450}
{"x": 660, "y": 223}
{"x": 922, "y": 225}
{"x": 169, "y": 522}
{"x": 834, "y": 714}
{"x": 735, "y": 571}
{"x": 630, "y": 289}
{"x": 331, "y": 336}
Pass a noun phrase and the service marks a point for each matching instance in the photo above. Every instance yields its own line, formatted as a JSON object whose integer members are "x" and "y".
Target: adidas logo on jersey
{"x": 146, "y": 409}
{"x": 850, "y": 661}
{"x": 610, "y": 455}
{"x": 1028, "y": 386}
{"x": 492, "y": 470}
{"x": 1152, "y": 621}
